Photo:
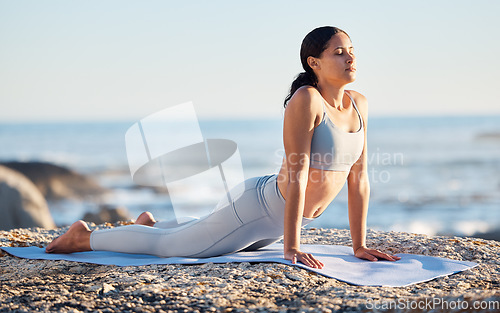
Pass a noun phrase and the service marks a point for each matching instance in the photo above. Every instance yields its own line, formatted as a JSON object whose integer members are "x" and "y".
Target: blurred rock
{"x": 108, "y": 214}
{"x": 21, "y": 203}
{"x": 491, "y": 235}
{"x": 489, "y": 136}
{"x": 57, "y": 182}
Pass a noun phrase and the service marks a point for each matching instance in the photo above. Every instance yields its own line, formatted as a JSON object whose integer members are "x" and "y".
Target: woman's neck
{"x": 332, "y": 94}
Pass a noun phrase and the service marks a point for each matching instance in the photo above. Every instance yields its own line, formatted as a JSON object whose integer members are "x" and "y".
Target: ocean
{"x": 430, "y": 175}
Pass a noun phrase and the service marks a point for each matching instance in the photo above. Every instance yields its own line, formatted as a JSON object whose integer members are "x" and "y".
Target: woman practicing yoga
{"x": 324, "y": 135}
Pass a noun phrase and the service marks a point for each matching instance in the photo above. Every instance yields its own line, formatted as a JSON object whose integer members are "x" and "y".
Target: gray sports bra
{"x": 334, "y": 149}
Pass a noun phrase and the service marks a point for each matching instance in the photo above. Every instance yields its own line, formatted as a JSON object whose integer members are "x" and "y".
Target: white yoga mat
{"x": 339, "y": 262}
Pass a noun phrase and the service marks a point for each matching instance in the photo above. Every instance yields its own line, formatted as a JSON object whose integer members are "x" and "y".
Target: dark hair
{"x": 313, "y": 45}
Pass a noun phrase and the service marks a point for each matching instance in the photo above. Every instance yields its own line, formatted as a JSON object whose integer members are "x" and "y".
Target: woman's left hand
{"x": 373, "y": 255}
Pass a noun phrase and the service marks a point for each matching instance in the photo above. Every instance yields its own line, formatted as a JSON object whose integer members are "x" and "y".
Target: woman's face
{"x": 337, "y": 62}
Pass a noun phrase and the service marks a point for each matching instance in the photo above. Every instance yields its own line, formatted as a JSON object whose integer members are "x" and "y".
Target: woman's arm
{"x": 359, "y": 194}
{"x": 300, "y": 118}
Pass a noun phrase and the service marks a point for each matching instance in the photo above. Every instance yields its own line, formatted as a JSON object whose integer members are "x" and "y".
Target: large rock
{"x": 21, "y": 203}
{"x": 108, "y": 214}
{"x": 57, "y": 182}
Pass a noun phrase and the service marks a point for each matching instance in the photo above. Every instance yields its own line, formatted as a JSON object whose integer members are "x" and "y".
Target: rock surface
{"x": 56, "y": 182}
{"x": 29, "y": 285}
{"x": 107, "y": 214}
{"x": 21, "y": 203}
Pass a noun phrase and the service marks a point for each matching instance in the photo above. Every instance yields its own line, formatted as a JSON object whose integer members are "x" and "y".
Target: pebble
{"x": 294, "y": 277}
{"x": 106, "y": 288}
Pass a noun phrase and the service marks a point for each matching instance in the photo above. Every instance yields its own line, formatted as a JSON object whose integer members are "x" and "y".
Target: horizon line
{"x": 235, "y": 118}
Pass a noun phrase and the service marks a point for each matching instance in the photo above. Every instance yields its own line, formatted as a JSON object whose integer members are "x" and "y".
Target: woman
{"x": 324, "y": 136}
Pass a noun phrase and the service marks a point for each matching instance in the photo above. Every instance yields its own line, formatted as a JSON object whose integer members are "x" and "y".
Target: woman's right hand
{"x": 305, "y": 258}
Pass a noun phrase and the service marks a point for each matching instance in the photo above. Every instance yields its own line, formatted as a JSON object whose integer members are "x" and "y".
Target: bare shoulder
{"x": 306, "y": 99}
{"x": 361, "y": 102}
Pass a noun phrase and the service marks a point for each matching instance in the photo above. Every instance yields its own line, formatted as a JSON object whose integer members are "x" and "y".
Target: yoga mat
{"x": 339, "y": 262}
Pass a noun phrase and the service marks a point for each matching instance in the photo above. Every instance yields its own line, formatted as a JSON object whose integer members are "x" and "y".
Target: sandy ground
{"x": 34, "y": 285}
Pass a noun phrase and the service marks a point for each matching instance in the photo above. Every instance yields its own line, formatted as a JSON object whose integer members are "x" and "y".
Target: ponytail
{"x": 303, "y": 79}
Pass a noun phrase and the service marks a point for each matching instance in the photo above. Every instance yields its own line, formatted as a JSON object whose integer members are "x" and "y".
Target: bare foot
{"x": 76, "y": 239}
{"x": 146, "y": 218}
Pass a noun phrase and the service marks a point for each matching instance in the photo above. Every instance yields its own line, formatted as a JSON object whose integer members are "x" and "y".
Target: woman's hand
{"x": 305, "y": 258}
{"x": 373, "y": 255}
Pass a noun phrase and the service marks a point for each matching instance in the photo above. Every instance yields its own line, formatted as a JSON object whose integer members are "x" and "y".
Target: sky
{"x": 123, "y": 60}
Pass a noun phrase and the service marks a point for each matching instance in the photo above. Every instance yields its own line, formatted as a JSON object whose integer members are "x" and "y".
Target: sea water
{"x": 432, "y": 175}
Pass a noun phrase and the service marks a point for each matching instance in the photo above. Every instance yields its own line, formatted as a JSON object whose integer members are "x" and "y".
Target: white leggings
{"x": 253, "y": 219}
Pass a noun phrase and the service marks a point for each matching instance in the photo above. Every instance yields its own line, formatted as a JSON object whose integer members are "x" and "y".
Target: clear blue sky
{"x": 98, "y": 60}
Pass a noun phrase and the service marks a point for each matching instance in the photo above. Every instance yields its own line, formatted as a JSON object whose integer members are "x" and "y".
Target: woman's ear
{"x": 313, "y": 63}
